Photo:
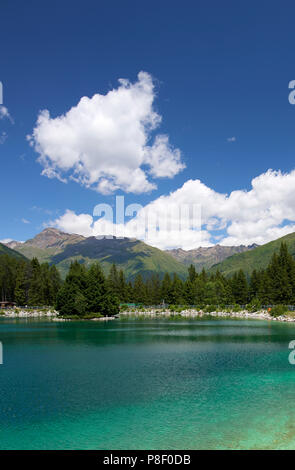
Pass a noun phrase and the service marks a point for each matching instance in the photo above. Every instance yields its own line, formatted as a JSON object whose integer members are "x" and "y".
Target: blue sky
{"x": 220, "y": 70}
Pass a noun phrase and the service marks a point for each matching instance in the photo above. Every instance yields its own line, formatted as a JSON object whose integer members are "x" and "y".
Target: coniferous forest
{"x": 89, "y": 291}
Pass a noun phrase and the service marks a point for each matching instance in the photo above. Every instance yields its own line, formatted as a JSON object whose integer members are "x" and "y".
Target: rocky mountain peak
{"x": 51, "y": 237}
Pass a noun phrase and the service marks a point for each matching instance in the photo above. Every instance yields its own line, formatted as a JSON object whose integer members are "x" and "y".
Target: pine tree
{"x": 199, "y": 285}
{"x": 122, "y": 287}
{"x": 240, "y": 287}
{"x": 156, "y": 289}
{"x": 139, "y": 290}
{"x": 166, "y": 289}
{"x": 192, "y": 274}
{"x": 55, "y": 282}
{"x": 254, "y": 284}
{"x": 203, "y": 276}
{"x": 176, "y": 292}
{"x": 46, "y": 283}
{"x": 114, "y": 281}
{"x": 35, "y": 294}
{"x": 264, "y": 288}
{"x": 96, "y": 289}
{"x": 70, "y": 298}
{"x": 20, "y": 292}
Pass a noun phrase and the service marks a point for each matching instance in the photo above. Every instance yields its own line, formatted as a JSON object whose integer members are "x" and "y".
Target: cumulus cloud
{"x": 259, "y": 215}
{"x": 231, "y": 139}
{"x": 107, "y": 142}
{"x": 4, "y": 114}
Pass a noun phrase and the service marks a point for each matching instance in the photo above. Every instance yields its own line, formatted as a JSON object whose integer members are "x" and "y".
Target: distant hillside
{"x": 207, "y": 257}
{"x": 5, "y": 250}
{"x": 134, "y": 256}
{"x": 255, "y": 259}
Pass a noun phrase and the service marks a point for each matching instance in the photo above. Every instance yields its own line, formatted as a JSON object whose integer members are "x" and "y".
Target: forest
{"x": 88, "y": 291}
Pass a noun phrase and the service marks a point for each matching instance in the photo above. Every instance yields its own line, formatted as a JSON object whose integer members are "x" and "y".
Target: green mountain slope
{"x": 5, "y": 250}
{"x": 258, "y": 258}
{"x": 133, "y": 256}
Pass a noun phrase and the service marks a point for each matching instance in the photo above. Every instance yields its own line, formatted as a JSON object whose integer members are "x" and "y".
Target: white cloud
{"x": 3, "y": 137}
{"x": 262, "y": 214}
{"x": 4, "y": 114}
{"x": 25, "y": 221}
{"x": 105, "y": 142}
{"x": 231, "y": 139}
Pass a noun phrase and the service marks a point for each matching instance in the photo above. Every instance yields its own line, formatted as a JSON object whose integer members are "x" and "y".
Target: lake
{"x": 147, "y": 384}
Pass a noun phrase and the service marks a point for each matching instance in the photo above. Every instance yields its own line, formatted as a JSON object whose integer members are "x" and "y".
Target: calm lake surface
{"x": 147, "y": 384}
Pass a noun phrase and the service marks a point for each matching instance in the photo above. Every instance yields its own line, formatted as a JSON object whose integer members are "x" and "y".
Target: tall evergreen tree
{"x": 71, "y": 299}
{"x": 35, "y": 294}
{"x": 240, "y": 287}
{"x": 166, "y": 289}
{"x": 139, "y": 290}
{"x": 96, "y": 289}
{"x": 21, "y": 284}
{"x": 177, "y": 291}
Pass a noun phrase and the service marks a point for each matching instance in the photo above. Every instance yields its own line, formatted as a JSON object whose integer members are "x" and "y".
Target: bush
{"x": 124, "y": 307}
{"x": 210, "y": 308}
{"x": 254, "y": 305}
{"x": 278, "y": 310}
{"x": 236, "y": 308}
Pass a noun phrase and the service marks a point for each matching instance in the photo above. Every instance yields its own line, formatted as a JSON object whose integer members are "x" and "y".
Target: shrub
{"x": 210, "y": 308}
{"x": 236, "y": 308}
{"x": 254, "y": 305}
{"x": 278, "y": 310}
{"x": 124, "y": 307}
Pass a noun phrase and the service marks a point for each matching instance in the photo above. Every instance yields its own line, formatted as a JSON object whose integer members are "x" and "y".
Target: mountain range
{"x": 135, "y": 256}
{"x": 205, "y": 257}
{"x": 131, "y": 255}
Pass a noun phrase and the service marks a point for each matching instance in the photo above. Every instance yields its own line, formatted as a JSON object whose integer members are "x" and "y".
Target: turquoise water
{"x": 147, "y": 384}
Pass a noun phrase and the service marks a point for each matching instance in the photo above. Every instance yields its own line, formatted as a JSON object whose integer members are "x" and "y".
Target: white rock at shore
{"x": 191, "y": 313}
{"x": 15, "y": 313}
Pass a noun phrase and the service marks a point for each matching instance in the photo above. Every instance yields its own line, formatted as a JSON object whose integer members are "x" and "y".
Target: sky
{"x": 169, "y": 104}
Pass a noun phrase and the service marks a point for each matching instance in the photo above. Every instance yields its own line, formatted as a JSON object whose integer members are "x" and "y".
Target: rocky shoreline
{"x": 53, "y": 315}
{"x": 28, "y": 313}
{"x": 196, "y": 314}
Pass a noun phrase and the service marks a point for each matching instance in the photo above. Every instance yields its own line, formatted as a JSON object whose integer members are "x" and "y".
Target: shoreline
{"x": 189, "y": 314}
{"x": 51, "y": 315}
{"x": 198, "y": 314}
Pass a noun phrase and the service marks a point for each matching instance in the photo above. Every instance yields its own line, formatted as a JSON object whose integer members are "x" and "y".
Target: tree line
{"x": 88, "y": 291}
{"x": 273, "y": 285}
{"x": 28, "y": 283}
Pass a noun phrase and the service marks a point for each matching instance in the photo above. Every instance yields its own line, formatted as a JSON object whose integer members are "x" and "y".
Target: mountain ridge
{"x": 258, "y": 258}
{"x": 133, "y": 256}
{"x": 206, "y": 257}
